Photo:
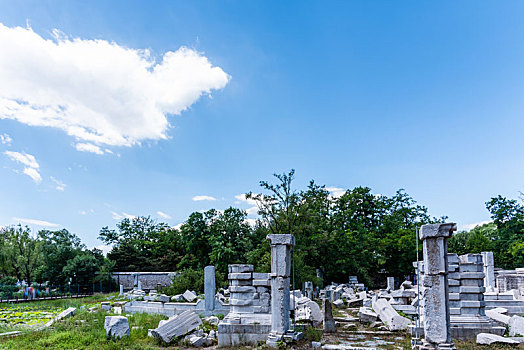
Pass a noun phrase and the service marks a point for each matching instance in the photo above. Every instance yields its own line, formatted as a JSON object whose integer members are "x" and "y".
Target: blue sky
{"x": 425, "y": 96}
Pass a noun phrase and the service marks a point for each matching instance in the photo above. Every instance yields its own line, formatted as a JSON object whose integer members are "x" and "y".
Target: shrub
{"x": 186, "y": 280}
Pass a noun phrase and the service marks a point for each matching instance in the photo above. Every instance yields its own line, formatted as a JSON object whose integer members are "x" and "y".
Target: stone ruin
{"x": 249, "y": 319}
{"x": 155, "y": 303}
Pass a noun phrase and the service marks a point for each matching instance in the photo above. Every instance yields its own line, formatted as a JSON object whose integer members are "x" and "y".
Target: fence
{"x": 14, "y": 293}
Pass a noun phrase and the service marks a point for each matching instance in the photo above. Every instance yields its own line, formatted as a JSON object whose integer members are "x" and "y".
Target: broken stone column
{"x": 121, "y": 290}
{"x": 209, "y": 287}
{"x": 391, "y": 283}
{"x": 328, "y": 320}
{"x": 281, "y": 245}
{"x": 308, "y": 289}
{"x": 437, "y": 325}
{"x": 489, "y": 271}
{"x": 249, "y": 320}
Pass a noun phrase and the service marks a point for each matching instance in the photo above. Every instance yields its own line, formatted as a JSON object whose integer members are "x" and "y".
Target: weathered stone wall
{"x": 509, "y": 279}
{"x": 149, "y": 280}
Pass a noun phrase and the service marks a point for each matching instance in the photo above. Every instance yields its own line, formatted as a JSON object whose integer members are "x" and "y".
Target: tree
{"x": 21, "y": 252}
{"x": 58, "y": 247}
{"x": 136, "y": 242}
{"x": 508, "y": 216}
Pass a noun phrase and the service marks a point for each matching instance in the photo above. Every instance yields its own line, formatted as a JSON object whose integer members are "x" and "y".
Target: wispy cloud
{"x": 88, "y": 147}
{"x": 35, "y": 222}
{"x": 69, "y": 84}
{"x": 472, "y": 226}
{"x": 31, "y": 165}
{"x": 163, "y": 215}
{"x": 204, "y": 198}
{"x": 5, "y": 139}
{"x": 121, "y": 216}
{"x": 60, "y": 186}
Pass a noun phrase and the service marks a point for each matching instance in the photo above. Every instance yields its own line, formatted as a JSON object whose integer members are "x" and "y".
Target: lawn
{"x": 84, "y": 331}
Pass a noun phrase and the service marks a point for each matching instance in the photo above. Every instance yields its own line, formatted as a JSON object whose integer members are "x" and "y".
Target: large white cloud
{"x": 99, "y": 92}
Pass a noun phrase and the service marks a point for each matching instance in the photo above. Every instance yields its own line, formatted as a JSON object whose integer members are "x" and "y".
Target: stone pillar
{"x": 391, "y": 283}
{"x": 489, "y": 271}
{"x": 437, "y": 325}
{"x": 327, "y": 317}
{"x": 209, "y": 287}
{"x": 121, "y": 289}
{"x": 280, "y": 271}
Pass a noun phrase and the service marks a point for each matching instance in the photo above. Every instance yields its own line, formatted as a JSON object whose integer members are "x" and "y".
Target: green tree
{"x": 21, "y": 252}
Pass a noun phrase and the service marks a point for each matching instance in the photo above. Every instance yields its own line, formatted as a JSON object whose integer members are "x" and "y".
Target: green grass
{"x": 85, "y": 330}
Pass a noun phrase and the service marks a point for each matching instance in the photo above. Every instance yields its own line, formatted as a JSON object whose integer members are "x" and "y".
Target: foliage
{"x": 20, "y": 253}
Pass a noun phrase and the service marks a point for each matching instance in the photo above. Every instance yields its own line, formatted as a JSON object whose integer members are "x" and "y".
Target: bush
{"x": 186, "y": 280}
{"x": 313, "y": 334}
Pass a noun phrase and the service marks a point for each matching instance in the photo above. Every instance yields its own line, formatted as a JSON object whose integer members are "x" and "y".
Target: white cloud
{"x": 33, "y": 174}
{"x": 177, "y": 227}
{"x": 163, "y": 215}
{"x": 121, "y": 216}
{"x": 60, "y": 186}
{"x": 472, "y": 226}
{"x": 35, "y": 222}
{"x": 99, "y": 92}
{"x": 24, "y": 158}
{"x": 336, "y": 192}
{"x": 29, "y": 161}
{"x": 204, "y": 198}
{"x": 242, "y": 197}
{"x": 252, "y": 211}
{"x": 5, "y": 139}
{"x": 88, "y": 147}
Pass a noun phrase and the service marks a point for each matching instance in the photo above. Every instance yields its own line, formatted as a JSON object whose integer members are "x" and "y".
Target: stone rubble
{"x": 116, "y": 326}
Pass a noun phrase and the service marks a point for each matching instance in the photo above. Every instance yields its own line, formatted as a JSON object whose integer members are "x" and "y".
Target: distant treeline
{"x": 354, "y": 233}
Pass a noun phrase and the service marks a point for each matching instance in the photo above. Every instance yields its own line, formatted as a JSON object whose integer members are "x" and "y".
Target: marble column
{"x": 280, "y": 272}
{"x": 209, "y": 287}
{"x": 489, "y": 271}
{"x": 391, "y": 283}
{"x": 437, "y": 325}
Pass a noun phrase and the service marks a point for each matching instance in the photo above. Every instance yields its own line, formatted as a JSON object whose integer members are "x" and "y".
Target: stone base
{"x": 273, "y": 340}
{"x": 430, "y": 346}
{"x": 243, "y": 329}
{"x": 468, "y": 327}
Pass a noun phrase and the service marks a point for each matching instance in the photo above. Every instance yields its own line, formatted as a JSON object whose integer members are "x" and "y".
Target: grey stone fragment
{"x": 189, "y": 296}
{"x": 116, "y": 326}
{"x": 316, "y": 344}
{"x": 389, "y": 316}
{"x": 178, "y": 297}
{"x": 338, "y": 303}
{"x": 329, "y": 321}
{"x": 197, "y": 341}
{"x": 488, "y": 339}
{"x": 177, "y": 326}
{"x": 366, "y": 315}
{"x": 498, "y": 317}
{"x": 516, "y": 326}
